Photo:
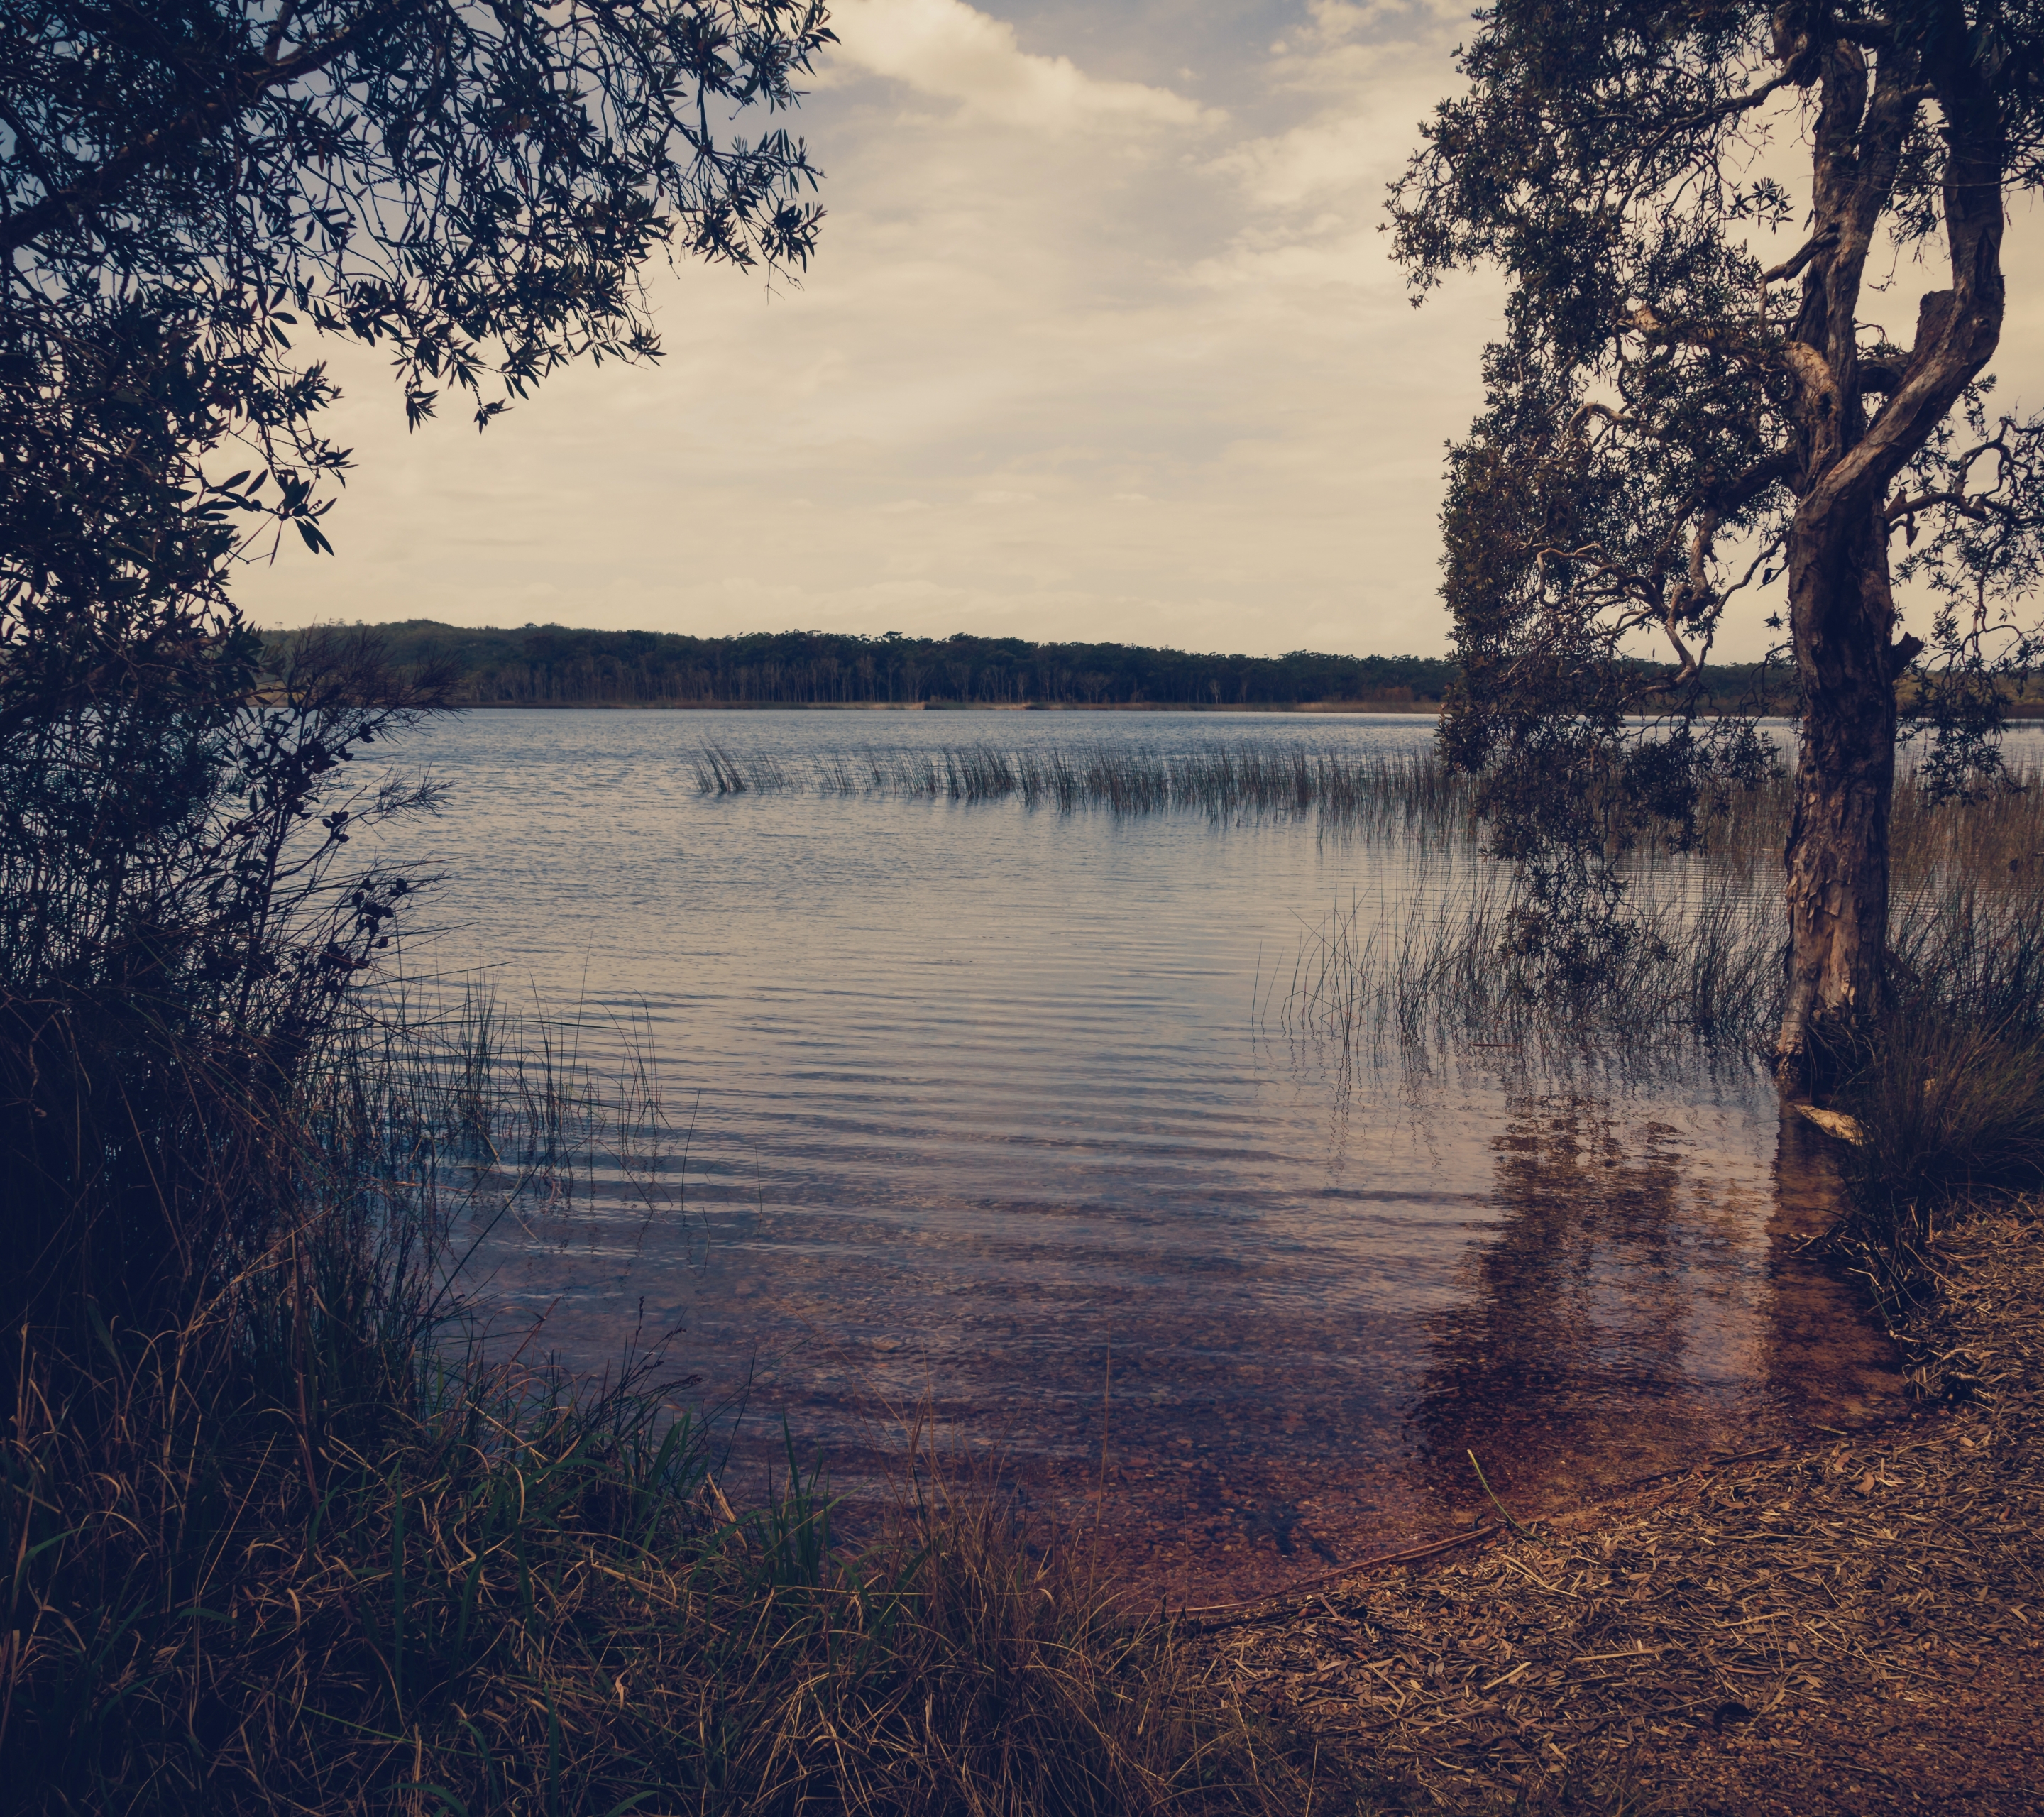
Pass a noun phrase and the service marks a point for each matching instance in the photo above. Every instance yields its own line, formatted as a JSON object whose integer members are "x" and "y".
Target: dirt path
{"x": 1853, "y": 1624}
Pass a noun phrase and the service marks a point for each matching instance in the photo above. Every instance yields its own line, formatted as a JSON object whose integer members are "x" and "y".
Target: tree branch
{"x": 1956, "y": 330}
{"x": 248, "y": 84}
{"x": 1717, "y": 111}
{"x": 1817, "y": 242}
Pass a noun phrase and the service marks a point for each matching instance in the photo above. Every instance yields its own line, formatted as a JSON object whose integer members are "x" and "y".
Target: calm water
{"x": 984, "y": 1113}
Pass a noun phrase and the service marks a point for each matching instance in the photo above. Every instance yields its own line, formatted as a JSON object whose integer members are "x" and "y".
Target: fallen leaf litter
{"x": 1806, "y": 1603}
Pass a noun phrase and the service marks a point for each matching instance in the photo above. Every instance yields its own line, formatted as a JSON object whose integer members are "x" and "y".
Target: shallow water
{"x": 982, "y": 1110}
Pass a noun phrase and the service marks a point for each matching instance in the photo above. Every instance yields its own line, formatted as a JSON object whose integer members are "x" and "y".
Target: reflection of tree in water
{"x": 1825, "y": 1359}
{"x": 1569, "y": 1365}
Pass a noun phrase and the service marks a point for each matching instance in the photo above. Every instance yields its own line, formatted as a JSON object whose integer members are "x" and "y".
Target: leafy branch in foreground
{"x": 194, "y": 194}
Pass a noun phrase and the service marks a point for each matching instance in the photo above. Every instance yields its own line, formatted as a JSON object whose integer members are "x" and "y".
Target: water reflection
{"x": 986, "y": 1128}
{"x": 1624, "y": 1299}
{"x": 1630, "y": 1313}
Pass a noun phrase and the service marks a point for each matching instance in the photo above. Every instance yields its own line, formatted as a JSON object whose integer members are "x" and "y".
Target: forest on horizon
{"x": 552, "y": 665}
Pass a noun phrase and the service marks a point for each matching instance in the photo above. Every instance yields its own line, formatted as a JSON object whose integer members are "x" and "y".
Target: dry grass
{"x": 1850, "y": 1623}
{"x": 311, "y": 1551}
{"x": 550, "y": 1608}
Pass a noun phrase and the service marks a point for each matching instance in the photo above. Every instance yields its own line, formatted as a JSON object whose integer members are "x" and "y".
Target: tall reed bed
{"x": 1429, "y": 960}
{"x": 1431, "y": 949}
{"x": 1366, "y": 792}
{"x": 456, "y": 1115}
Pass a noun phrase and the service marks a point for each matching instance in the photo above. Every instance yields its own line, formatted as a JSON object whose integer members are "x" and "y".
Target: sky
{"x": 1102, "y": 341}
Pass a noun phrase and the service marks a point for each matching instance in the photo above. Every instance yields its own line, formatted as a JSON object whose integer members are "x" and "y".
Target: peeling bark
{"x": 1837, "y": 856}
{"x": 1841, "y": 607}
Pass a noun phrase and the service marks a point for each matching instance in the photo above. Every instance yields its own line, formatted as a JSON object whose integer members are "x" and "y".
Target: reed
{"x": 1698, "y": 951}
{"x": 1948, "y": 1091}
{"x": 1435, "y": 966}
{"x": 1407, "y": 795}
{"x": 323, "y": 1546}
{"x": 1365, "y": 792}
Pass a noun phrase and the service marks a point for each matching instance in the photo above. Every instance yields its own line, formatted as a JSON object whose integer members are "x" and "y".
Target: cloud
{"x": 949, "y": 51}
{"x": 1146, "y": 374}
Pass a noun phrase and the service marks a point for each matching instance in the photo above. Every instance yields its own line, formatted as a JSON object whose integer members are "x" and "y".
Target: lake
{"x": 983, "y": 1114}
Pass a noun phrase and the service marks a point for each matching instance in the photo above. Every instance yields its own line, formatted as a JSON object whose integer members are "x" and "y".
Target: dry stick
{"x": 1494, "y": 1502}
{"x": 1383, "y": 1560}
{"x": 303, "y": 1366}
{"x": 1415, "y": 1552}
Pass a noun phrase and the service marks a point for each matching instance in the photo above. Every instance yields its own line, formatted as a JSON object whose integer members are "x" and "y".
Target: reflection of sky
{"x": 975, "y": 1105}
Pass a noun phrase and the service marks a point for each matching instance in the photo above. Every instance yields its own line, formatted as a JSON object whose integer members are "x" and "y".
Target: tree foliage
{"x": 195, "y": 196}
{"x": 1694, "y": 417}
{"x": 193, "y": 191}
{"x": 554, "y": 665}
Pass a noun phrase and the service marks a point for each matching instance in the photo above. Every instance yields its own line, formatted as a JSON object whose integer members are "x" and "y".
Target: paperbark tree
{"x": 1676, "y": 418}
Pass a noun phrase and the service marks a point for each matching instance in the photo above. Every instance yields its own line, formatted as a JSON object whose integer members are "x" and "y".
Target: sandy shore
{"x": 1844, "y": 1624}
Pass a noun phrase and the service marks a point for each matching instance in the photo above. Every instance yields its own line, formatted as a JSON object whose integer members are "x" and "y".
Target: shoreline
{"x": 2023, "y": 715}
{"x": 1847, "y": 1620}
{"x": 1386, "y": 708}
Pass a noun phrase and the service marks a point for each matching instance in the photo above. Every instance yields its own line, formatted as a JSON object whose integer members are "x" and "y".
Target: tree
{"x": 204, "y": 1253}
{"x": 1674, "y": 420}
{"x": 190, "y": 190}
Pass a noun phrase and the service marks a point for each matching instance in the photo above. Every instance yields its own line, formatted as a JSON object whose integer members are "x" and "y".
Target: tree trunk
{"x": 1843, "y": 617}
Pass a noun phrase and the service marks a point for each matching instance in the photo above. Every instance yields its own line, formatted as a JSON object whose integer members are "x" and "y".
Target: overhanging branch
{"x": 246, "y": 84}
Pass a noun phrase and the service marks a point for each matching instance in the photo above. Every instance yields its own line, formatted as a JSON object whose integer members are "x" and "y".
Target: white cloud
{"x": 949, "y": 51}
{"x": 1078, "y": 358}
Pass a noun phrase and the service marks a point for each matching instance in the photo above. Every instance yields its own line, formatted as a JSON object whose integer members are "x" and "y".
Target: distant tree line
{"x": 551, "y": 665}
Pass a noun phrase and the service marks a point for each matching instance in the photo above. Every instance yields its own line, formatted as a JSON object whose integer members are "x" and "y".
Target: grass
{"x": 322, "y": 1546}
{"x": 1370, "y": 793}
{"x": 1431, "y": 953}
{"x": 517, "y": 1600}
